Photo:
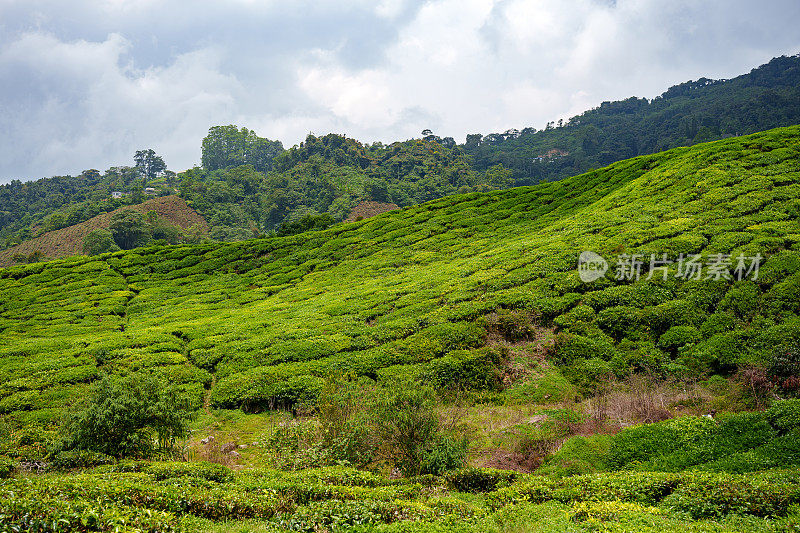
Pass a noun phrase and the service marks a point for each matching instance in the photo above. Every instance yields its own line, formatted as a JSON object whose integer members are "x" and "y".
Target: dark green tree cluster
{"x": 130, "y": 229}
{"x": 228, "y": 146}
{"x": 149, "y": 164}
{"x": 330, "y": 175}
{"x": 686, "y": 114}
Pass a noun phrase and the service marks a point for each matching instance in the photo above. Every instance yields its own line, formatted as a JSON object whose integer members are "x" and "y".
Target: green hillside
{"x": 266, "y": 320}
{"x": 477, "y": 297}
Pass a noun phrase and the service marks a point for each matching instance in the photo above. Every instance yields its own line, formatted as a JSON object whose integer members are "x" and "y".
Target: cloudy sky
{"x": 84, "y": 84}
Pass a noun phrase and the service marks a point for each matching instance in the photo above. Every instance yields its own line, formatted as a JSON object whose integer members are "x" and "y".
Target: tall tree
{"x": 229, "y": 146}
{"x": 148, "y": 163}
{"x": 129, "y": 229}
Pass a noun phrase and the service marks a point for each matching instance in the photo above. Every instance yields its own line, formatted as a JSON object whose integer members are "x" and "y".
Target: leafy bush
{"x": 784, "y": 369}
{"x": 99, "y": 241}
{"x": 570, "y": 349}
{"x": 578, "y": 456}
{"x": 784, "y": 415}
{"x": 463, "y": 369}
{"x": 346, "y": 413}
{"x": 73, "y": 459}
{"x": 130, "y": 417}
{"x": 589, "y": 375}
{"x": 411, "y": 435}
{"x": 480, "y": 479}
{"x": 7, "y": 467}
{"x": 677, "y": 337}
{"x": 200, "y": 470}
{"x": 445, "y": 454}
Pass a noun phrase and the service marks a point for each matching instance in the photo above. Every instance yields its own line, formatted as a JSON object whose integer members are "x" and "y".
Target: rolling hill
{"x": 262, "y": 323}
{"x": 500, "y": 298}
{"x": 69, "y": 241}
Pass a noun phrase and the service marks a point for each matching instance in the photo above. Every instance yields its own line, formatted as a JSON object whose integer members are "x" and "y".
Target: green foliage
{"x": 463, "y": 369}
{"x": 307, "y": 223}
{"x": 408, "y": 426}
{"x": 74, "y": 459}
{"x": 199, "y": 470}
{"x": 129, "y": 229}
{"x": 7, "y": 467}
{"x": 578, "y": 456}
{"x": 130, "y": 417}
{"x": 542, "y": 386}
{"x": 99, "y": 241}
{"x": 228, "y": 146}
{"x": 784, "y": 415}
{"x": 148, "y": 163}
{"x": 480, "y": 479}
{"x": 261, "y": 324}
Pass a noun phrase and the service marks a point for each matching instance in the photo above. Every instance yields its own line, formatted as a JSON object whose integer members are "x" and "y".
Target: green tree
{"x": 229, "y": 146}
{"x": 132, "y": 416}
{"x": 129, "y": 229}
{"x": 162, "y": 230}
{"x": 148, "y": 163}
{"x": 99, "y": 241}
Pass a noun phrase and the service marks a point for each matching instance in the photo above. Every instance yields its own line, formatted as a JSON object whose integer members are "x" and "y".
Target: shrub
{"x": 408, "y": 427}
{"x": 513, "y": 324}
{"x": 200, "y": 470}
{"x": 784, "y": 415}
{"x": 72, "y": 459}
{"x": 445, "y": 454}
{"x": 741, "y": 299}
{"x": 547, "y": 386}
{"x": 480, "y": 479}
{"x": 590, "y": 375}
{"x": 99, "y": 241}
{"x": 577, "y": 456}
{"x": 463, "y": 369}
{"x": 7, "y": 467}
{"x": 677, "y": 337}
{"x": 576, "y": 319}
{"x": 784, "y": 369}
{"x": 130, "y": 417}
{"x": 346, "y": 412}
{"x": 570, "y": 348}
{"x": 620, "y": 321}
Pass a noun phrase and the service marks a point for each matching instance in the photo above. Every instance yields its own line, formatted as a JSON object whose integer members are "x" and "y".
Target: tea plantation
{"x": 440, "y": 293}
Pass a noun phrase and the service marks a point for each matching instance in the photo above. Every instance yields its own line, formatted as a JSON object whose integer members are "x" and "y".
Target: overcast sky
{"x": 84, "y": 84}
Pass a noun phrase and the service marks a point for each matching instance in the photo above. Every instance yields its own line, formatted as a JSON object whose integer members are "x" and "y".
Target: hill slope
{"x": 69, "y": 241}
{"x": 267, "y": 320}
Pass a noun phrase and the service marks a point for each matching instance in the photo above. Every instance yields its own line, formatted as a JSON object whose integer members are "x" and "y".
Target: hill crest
{"x": 68, "y": 241}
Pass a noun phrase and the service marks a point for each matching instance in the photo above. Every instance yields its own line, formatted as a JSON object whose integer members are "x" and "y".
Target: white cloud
{"x": 86, "y": 84}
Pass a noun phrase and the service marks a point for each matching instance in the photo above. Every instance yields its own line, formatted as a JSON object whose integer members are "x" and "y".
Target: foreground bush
{"x": 131, "y": 416}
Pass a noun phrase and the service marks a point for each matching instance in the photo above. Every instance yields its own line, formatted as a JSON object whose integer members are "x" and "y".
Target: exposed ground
{"x": 67, "y": 242}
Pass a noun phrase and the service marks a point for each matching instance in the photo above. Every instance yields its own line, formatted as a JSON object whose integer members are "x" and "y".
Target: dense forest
{"x": 685, "y": 114}
{"x": 249, "y": 186}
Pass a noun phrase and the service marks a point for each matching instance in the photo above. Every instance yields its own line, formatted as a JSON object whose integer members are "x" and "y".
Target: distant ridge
{"x": 68, "y": 241}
